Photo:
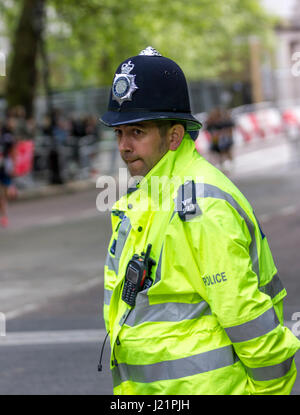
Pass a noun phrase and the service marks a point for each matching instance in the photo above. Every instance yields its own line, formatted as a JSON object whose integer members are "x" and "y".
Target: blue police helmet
{"x": 148, "y": 87}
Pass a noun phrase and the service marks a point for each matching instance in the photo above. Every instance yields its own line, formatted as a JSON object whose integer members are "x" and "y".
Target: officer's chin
{"x": 136, "y": 168}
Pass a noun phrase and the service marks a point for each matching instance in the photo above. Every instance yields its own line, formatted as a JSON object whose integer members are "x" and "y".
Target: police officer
{"x": 193, "y": 300}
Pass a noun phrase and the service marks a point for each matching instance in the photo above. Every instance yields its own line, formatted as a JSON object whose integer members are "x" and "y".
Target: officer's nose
{"x": 124, "y": 144}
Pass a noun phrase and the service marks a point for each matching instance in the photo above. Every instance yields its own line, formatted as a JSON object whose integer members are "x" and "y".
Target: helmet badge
{"x": 124, "y": 84}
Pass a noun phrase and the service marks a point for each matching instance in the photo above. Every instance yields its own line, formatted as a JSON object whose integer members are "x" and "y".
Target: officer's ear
{"x": 175, "y": 136}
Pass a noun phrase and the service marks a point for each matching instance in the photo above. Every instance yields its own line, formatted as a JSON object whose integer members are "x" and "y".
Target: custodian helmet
{"x": 148, "y": 87}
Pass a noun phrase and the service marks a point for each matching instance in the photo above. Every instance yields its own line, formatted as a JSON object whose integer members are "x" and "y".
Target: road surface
{"x": 52, "y": 259}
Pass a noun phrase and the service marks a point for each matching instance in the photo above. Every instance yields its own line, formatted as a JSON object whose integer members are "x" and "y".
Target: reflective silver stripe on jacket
{"x": 113, "y": 261}
{"x": 273, "y": 287}
{"x": 207, "y": 190}
{"x": 173, "y": 312}
{"x": 107, "y": 296}
{"x": 158, "y": 268}
{"x": 261, "y": 325}
{"x": 270, "y": 372}
{"x": 175, "y": 369}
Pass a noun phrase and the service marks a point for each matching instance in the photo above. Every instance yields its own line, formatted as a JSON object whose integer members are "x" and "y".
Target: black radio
{"x": 137, "y": 276}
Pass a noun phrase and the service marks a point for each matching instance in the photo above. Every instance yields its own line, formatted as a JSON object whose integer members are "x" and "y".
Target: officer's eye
{"x": 117, "y": 132}
{"x": 137, "y": 132}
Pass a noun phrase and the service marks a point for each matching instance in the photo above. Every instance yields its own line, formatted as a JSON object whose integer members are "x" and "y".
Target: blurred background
{"x": 57, "y": 61}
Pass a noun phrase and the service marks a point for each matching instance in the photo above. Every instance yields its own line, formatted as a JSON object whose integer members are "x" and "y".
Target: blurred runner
{"x": 220, "y": 126}
{"x": 7, "y": 160}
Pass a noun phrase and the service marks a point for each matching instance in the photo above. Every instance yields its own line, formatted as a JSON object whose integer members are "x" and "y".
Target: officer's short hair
{"x": 164, "y": 125}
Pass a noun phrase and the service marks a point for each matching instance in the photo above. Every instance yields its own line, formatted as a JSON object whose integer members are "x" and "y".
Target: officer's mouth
{"x": 130, "y": 162}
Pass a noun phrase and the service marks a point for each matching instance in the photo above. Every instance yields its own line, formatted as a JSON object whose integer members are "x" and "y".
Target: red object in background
{"x": 291, "y": 117}
{"x": 23, "y": 157}
{"x": 202, "y": 141}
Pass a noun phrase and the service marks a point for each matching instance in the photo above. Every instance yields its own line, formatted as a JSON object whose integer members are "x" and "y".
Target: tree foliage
{"x": 206, "y": 37}
{"x": 22, "y": 73}
{"x": 87, "y": 39}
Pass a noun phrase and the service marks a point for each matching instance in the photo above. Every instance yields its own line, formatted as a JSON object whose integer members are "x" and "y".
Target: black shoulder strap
{"x": 186, "y": 203}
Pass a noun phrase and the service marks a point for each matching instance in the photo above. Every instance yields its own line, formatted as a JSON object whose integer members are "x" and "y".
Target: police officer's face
{"x": 141, "y": 146}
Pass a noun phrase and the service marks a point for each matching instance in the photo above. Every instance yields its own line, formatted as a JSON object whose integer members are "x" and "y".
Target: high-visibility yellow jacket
{"x": 212, "y": 322}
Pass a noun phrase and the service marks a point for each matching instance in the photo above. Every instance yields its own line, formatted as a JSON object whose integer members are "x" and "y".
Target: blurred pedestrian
{"x": 61, "y": 131}
{"x": 20, "y": 124}
{"x": 78, "y": 130}
{"x": 92, "y": 127}
{"x": 31, "y": 129}
{"x": 226, "y": 137}
{"x": 46, "y": 125}
{"x": 7, "y": 163}
{"x": 220, "y": 126}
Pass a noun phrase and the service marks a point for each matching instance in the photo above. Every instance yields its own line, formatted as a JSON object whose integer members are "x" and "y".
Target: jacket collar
{"x": 173, "y": 162}
{"x": 163, "y": 179}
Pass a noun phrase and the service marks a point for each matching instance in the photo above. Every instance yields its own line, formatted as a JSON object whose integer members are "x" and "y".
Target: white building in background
{"x": 286, "y": 63}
